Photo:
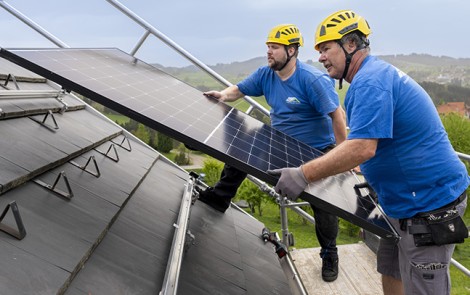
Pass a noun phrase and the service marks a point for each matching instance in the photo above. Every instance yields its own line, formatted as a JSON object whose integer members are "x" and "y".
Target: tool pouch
{"x": 439, "y": 227}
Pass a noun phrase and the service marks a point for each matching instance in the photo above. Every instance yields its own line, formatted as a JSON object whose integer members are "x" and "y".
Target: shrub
{"x": 255, "y": 198}
{"x": 212, "y": 170}
{"x": 182, "y": 158}
{"x": 164, "y": 143}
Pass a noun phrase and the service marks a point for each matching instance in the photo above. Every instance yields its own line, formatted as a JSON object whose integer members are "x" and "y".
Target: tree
{"x": 212, "y": 169}
{"x": 141, "y": 133}
{"x": 164, "y": 143}
{"x": 253, "y": 195}
{"x": 182, "y": 158}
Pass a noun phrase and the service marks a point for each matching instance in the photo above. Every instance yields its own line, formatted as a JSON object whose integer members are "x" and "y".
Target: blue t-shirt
{"x": 299, "y": 105}
{"x": 415, "y": 169}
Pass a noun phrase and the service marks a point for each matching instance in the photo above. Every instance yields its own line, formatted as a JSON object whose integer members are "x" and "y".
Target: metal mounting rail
{"x": 151, "y": 30}
{"x": 170, "y": 282}
{"x": 464, "y": 157}
{"x": 287, "y": 265}
{"x": 32, "y": 24}
{"x": 283, "y": 204}
{"x": 29, "y": 94}
{"x": 460, "y": 267}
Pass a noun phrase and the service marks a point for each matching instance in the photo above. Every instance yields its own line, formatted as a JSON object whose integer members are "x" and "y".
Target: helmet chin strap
{"x": 289, "y": 57}
{"x": 348, "y": 61}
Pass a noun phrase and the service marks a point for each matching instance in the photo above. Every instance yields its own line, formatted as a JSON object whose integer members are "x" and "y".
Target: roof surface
{"x": 110, "y": 231}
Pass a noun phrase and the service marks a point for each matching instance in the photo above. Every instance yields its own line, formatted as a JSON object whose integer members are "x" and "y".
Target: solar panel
{"x": 162, "y": 102}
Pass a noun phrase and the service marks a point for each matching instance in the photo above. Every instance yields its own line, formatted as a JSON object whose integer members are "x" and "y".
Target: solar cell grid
{"x": 158, "y": 100}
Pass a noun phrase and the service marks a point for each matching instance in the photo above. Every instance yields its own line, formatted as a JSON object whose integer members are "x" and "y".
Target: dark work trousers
{"x": 326, "y": 227}
{"x": 326, "y": 224}
{"x": 228, "y": 184}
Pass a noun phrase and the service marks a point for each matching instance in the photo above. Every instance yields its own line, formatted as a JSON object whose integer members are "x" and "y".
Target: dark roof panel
{"x": 111, "y": 232}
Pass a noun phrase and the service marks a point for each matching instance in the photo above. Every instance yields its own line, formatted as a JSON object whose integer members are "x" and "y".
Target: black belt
{"x": 456, "y": 201}
{"x": 403, "y": 221}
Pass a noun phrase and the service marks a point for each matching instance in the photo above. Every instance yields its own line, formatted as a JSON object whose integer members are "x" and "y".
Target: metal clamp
{"x": 13, "y": 78}
{"x": 128, "y": 148}
{"x": 18, "y": 233}
{"x": 280, "y": 249}
{"x": 84, "y": 168}
{"x": 43, "y": 122}
{"x": 53, "y": 188}
{"x": 107, "y": 152}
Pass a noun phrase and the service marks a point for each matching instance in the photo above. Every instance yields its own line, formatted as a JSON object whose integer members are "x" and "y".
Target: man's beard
{"x": 277, "y": 65}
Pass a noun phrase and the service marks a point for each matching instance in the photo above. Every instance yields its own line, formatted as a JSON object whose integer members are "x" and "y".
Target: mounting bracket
{"x": 107, "y": 152}
{"x": 53, "y": 188}
{"x": 18, "y": 233}
{"x": 49, "y": 112}
{"x": 84, "y": 168}
{"x": 128, "y": 148}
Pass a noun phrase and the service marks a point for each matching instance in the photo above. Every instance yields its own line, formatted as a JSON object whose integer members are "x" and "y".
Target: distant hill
{"x": 446, "y": 79}
{"x": 236, "y": 68}
{"x": 421, "y": 67}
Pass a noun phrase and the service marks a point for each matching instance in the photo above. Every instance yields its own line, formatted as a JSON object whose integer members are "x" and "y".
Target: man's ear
{"x": 291, "y": 50}
{"x": 350, "y": 46}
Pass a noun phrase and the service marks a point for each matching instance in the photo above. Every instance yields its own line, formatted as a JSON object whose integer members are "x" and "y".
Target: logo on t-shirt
{"x": 292, "y": 100}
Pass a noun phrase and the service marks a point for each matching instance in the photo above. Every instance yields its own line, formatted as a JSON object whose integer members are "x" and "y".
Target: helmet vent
{"x": 336, "y": 20}
{"x": 348, "y": 28}
{"x": 349, "y": 15}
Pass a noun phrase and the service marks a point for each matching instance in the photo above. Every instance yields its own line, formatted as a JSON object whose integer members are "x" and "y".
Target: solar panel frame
{"x": 212, "y": 127}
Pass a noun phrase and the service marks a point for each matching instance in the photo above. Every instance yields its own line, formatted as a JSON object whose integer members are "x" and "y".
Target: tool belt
{"x": 438, "y": 227}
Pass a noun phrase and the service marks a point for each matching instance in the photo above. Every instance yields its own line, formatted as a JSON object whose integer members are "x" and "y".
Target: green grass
{"x": 171, "y": 156}
{"x": 303, "y": 231}
{"x": 460, "y": 282}
{"x": 120, "y": 119}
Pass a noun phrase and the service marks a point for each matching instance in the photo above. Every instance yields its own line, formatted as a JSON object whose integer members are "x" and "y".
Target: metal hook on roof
{"x": 53, "y": 188}
{"x": 18, "y": 233}
{"x": 12, "y": 78}
{"x": 84, "y": 168}
{"x": 43, "y": 122}
{"x": 128, "y": 148}
{"x": 107, "y": 153}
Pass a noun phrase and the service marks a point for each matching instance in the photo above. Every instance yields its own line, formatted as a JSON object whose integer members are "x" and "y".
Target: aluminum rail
{"x": 284, "y": 203}
{"x": 464, "y": 157}
{"x": 293, "y": 277}
{"x": 292, "y": 205}
{"x": 460, "y": 267}
{"x": 149, "y": 28}
{"x": 33, "y": 25}
{"x": 170, "y": 282}
{"x": 12, "y": 94}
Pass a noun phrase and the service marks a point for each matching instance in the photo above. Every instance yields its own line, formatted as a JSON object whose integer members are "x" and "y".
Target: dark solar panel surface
{"x": 160, "y": 101}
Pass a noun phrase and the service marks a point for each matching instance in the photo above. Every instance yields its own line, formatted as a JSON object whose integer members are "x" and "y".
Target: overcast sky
{"x": 221, "y": 31}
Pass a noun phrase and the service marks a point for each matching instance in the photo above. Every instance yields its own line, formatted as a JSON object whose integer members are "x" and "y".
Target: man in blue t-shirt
{"x": 398, "y": 139}
{"x": 304, "y": 105}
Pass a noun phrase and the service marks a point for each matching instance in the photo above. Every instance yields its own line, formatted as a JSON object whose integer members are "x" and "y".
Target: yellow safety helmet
{"x": 285, "y": 34}
{"x": 338, "y": 24}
